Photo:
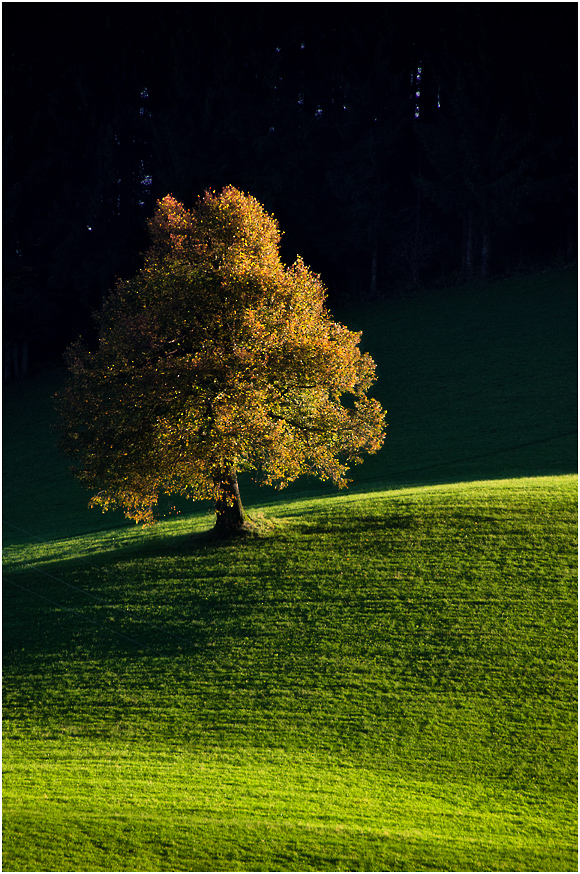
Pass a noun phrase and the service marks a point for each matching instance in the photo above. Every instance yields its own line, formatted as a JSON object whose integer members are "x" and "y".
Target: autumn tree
{"x": 216, "y": 358}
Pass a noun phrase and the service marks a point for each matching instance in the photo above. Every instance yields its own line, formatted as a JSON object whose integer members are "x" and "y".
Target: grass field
{"x": 386, "y": 682}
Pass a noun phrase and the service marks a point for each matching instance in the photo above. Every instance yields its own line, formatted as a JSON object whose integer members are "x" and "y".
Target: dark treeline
{"x": 398, "y": 144}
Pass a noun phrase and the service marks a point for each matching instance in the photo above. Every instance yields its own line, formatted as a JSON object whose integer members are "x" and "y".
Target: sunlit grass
{"x": 423, "y": 639}
{"x": 111, "y": 807}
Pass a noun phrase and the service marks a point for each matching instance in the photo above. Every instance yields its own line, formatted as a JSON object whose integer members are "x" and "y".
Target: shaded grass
{"x": 479, "y": 383}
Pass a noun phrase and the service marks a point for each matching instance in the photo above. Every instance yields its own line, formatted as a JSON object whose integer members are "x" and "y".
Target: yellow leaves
{"x": 215, "y": 355}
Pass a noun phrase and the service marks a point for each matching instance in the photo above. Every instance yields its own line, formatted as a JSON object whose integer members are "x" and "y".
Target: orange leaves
{"x": 215, "y": 356}
{"x": 170, "y": 226}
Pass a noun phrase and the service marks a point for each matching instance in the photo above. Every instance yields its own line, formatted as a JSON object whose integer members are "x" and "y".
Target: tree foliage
{"x": 215, "y": 358}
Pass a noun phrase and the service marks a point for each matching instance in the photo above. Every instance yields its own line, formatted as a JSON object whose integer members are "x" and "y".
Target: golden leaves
{"x": 215, "y": 356}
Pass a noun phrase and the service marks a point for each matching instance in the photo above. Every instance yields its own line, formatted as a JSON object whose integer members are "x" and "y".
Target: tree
{"x": 215, "y": 358}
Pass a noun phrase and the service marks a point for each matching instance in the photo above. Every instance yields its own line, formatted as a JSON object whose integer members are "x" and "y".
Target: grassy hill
{"x": 387, "y": 682}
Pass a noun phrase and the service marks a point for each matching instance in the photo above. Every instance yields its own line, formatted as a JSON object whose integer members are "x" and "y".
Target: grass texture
{"x": 386, "y": 681}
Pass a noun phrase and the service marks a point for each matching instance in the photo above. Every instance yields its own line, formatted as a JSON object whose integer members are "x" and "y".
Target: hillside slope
{"x": 479, "y": 383}
{"x": 388, "y": 681}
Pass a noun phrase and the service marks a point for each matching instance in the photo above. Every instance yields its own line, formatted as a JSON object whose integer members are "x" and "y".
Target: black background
{"x": 313, "y": 109}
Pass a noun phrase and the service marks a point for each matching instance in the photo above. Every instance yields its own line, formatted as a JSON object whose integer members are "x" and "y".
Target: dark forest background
{"x": 399, "y": 145}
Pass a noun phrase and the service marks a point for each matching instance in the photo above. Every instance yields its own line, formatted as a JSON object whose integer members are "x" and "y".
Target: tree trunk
{"x": 230, "y": 516}
{"x": 374, "y": 271}
{"x": 468, "y": 245}
{"x": 15, "y": 360}
{"x": 485, "y": 250}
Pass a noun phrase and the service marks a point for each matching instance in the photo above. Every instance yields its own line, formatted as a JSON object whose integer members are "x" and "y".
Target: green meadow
{"x": 386, "y": 680}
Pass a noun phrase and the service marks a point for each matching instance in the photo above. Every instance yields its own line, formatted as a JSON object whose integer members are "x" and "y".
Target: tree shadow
{"x": 118, "y": 603}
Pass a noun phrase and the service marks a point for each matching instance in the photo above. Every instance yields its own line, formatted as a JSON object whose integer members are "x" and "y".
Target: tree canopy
{"x": 215, "y": 358}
